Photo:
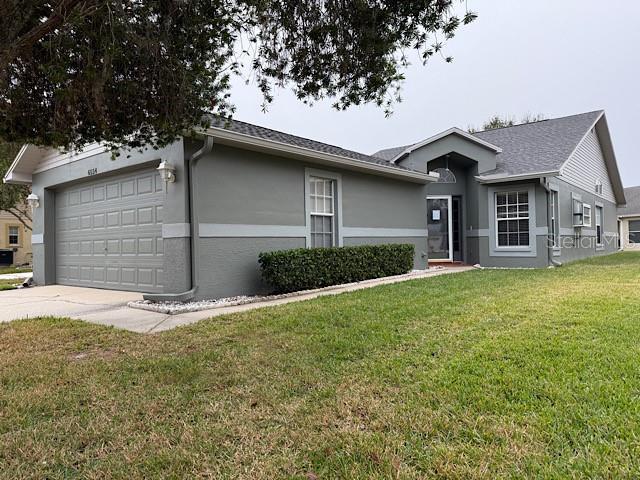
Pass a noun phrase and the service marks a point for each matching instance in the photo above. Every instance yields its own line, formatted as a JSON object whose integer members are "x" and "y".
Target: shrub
{"x": 305, "y": 269}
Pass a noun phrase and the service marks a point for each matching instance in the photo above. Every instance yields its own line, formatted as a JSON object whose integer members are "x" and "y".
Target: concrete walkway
{"x": 16, "y": 276}
{"x": 108, "y": 307}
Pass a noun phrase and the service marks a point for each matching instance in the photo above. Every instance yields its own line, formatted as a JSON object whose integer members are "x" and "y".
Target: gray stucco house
{"x": 629, "y": 220}
{"x": 524, "y": 196}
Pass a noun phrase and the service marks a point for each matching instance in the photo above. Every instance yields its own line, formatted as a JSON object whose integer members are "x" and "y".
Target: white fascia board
{"x": 261, "y": 144}
{"x": 513, "y": 178}
{"x": 12, "y": 176}
{"x": 17, "y": 178}
{"x": 451, "y": 131}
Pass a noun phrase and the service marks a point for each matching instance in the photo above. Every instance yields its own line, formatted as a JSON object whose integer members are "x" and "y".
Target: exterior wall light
{"x": 34, "y": 201}
{"x": 167, "y": 172}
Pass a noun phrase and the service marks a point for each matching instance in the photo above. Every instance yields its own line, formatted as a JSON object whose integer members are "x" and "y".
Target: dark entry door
{"x": 439, "y": 227}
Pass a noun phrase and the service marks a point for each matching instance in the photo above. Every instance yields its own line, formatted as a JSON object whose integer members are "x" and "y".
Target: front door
{"x": 439, "y": 226}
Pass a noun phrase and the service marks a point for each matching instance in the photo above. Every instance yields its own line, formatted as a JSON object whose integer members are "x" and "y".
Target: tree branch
{"x": 20, "y": 218}
{"x": 26, "y": 41}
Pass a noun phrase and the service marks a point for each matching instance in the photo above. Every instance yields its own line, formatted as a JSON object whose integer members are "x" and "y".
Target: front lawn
{"x": 485, "y": 374}
{"x": 9, "y": 284}
{"x": 4, "y": 270}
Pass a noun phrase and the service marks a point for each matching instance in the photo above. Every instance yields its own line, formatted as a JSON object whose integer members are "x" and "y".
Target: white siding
{"x": 586, "y": 166}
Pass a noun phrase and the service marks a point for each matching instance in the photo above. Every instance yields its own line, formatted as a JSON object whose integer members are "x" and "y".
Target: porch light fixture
{"x": 34, "y": 201}
{"x": 167, "y": 172}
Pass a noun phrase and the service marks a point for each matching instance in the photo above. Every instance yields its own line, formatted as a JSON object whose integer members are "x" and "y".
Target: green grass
{"x": 9, "y": 284}
{"x": 4, "y": 270}
{"x": 485, "y": 374}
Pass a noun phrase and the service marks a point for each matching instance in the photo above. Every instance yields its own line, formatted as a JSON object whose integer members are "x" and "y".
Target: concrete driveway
{"x": 104, "y": 307}
{"x": 89, "y": 304}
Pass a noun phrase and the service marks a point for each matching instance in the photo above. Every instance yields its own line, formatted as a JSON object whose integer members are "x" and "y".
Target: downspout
{"x": 550, "y": 259}
{"x": 194, "y": 230}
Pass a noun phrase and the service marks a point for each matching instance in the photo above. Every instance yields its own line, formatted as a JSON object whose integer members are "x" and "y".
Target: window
{"x": 446, "y": 175}
{"x": 555, "y": 216}
{"x": 14, "y": 235}
{"x": 634, "y": 231}
{"x": 599, "y": 186}
{"x": 586, "y": 215}
{"x": 322, "y": 198}
{"x": 512, "y": 219}
{"x": 598, "y": 225}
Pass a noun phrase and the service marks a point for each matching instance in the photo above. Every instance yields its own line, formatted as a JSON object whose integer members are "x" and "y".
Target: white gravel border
{"x": 174, "y": 308}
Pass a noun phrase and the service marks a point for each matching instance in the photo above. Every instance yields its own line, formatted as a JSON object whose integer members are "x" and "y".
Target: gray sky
{"x": 555, "y": 57}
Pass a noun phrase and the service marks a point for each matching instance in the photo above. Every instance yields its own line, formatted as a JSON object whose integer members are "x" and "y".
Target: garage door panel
{"x": 109, "y": 233}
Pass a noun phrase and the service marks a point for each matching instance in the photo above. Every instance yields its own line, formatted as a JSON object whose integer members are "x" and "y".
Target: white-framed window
{"x": 586, "y": 215}
{"x": 14, "y": 235}
{"x": 555, "y": 217}
{"x": 322, "y": 198}
{"x": 599, "y": 241}
{"x": 634, "y": 231}
{"x": 512, "y": 219}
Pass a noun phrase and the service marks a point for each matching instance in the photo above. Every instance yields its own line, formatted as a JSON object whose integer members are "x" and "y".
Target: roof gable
{"x": 541, "y": 146}
{"x": 632, "y": 207}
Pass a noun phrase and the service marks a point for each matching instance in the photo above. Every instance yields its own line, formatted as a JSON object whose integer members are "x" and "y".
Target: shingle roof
{"x": 257, "y": 131}
{"x": 632, "y": 194}
{"x": 539, "y": 146}
{"x": 391, "y": 153}
{"x": 532, "y": 147}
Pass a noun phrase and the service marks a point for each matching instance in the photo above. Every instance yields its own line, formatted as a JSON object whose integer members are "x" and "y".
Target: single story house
{"x": 629, "y": 220}
{"x": 15, "y": 240}
{"x": 189, "y": 220}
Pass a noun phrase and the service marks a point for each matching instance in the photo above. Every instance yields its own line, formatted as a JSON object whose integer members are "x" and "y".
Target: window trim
{"x": 585, "y": 207}
{"x": 518, "y": 218}
{"x": 333, "y": 202}
{"x": 337, "y": 177}
{"x": 600, "y": 209}
{"x": 554, "y": 228}
{"x": 629, "y": 232}
{"x": 534, "y": 231}
{"x": 19, "y": 242}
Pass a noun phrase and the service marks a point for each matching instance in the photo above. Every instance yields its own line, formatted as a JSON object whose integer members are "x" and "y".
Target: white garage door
{"x": 109, "y": 233}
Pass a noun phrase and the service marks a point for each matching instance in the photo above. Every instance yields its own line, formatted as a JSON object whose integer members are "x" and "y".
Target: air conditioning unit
{"x": 578, "y": 213}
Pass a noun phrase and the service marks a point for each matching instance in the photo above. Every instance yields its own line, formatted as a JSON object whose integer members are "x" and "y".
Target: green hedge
{"x": 308, "y": 268}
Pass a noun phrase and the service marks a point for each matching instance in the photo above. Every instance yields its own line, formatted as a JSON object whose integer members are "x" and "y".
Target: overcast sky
{"x": 554, "y": 57}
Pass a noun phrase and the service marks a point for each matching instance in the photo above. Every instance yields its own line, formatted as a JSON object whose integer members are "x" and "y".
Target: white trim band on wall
{"x": 37, "y": 238}
{"x": 176, "y": 230}
{"x": 233, "y": 230}
{"x": 351, "y": 232}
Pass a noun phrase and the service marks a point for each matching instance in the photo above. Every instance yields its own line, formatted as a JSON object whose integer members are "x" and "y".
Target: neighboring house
{"x": 15, "y": 241}
{"x": 239, "y": 189}
{"x": 629, "y": 220}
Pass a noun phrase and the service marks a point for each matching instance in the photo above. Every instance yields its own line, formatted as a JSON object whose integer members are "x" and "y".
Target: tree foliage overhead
{"x": 497, "y": 121}
{"x": 133, "y": 72}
